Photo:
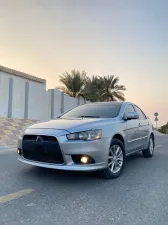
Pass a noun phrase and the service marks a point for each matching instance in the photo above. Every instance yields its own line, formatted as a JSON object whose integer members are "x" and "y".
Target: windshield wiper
{"x": 89, "y": 116}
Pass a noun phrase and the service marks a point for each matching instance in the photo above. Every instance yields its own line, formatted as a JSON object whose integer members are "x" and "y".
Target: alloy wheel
{"x": 151, "y": 146}
{"x": 115, "y": 158}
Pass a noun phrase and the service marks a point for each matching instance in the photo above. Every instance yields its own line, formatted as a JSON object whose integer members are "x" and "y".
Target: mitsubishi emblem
{"x": 39, "y": 138}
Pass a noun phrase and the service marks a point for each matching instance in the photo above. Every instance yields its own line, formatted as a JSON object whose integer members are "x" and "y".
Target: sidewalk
{"x": 10, "y": 130}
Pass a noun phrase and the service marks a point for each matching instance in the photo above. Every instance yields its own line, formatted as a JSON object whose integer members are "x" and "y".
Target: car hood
{"x": 71, "y": 125}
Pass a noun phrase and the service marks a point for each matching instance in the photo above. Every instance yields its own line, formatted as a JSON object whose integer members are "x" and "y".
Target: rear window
{"x": 94, "y": 111}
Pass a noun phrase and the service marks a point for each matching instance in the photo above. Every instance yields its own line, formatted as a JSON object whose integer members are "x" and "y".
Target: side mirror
{"x": 131, "y": 116}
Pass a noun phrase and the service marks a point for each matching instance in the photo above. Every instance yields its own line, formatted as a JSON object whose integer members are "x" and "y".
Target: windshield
{"x": 94, "y": 111}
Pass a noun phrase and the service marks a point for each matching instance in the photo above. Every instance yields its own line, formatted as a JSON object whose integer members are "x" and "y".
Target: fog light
{"x": 18, "y": 151}
{"x": 84, "y": 159}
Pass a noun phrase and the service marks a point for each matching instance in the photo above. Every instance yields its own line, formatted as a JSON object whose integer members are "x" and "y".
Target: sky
{"x": 124, "y": 38}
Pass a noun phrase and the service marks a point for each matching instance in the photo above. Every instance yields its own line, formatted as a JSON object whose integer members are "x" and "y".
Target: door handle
{"x": 139, "y": 124}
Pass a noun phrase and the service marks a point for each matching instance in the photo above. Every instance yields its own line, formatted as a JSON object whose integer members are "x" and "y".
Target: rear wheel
{"x": 116, "y": 160}
{"x": 148, "y": 153}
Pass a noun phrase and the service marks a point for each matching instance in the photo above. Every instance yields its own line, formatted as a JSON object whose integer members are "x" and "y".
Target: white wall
{"x": 4, "y": 94}
{"x": 57, "y": 103}
{"x": 38, "y": 104}
{"x": 18, "y": 102}
{"x": 48, "y": 105}
{"x": 69, "y": 103}
{"x": 39, "y": 100}
{"x": 82, "y": 101}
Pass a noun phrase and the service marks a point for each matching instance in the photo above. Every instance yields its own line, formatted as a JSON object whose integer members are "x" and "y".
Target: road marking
{"x": 15, "y": 195}
{"x": 158, "y": 146}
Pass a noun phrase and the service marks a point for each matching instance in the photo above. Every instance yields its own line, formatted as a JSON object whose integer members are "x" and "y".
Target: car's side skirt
{"x": 133, "y": 152}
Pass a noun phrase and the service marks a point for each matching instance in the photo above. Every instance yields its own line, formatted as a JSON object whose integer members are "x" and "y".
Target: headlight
{"x": 85, "y": 135}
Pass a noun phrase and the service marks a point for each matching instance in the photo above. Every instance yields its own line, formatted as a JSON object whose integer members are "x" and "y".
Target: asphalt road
{"x": 49, "y": 197}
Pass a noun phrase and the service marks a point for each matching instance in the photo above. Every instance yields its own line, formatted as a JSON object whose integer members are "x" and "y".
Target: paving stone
{"x": 10, "y": 129}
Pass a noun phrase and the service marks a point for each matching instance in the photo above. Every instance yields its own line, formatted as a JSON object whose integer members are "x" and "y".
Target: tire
{"x": 148, "y": 153}
{"x": 116, "y": 161}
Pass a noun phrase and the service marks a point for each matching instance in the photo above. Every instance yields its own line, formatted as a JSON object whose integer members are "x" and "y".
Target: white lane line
{"x": 15, "y": 195}
{"x": 158, "y": 146}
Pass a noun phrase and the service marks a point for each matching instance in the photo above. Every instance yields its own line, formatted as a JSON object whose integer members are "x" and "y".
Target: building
{"x": 23, "y": 96}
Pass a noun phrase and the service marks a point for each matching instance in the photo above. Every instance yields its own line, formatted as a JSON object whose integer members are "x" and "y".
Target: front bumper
{"x": 69, "y": 167}
{"x": 97, "y": 149}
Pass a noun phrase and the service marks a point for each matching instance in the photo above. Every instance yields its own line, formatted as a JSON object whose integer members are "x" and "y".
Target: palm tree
{"x": 104, "y": 89}
{"x": 111, "y": 91}
{"x": 73, "y": 82}
{"x": 92, "y": 89}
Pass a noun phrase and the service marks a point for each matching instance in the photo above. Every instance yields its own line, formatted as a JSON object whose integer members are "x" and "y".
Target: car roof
{"x": 107, "y": 103}
{"x": 111, "y": 103}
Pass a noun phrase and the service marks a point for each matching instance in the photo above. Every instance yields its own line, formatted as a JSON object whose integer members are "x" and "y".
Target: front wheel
{"x": 116, "y": 160}
{"x": 148, "y": 153}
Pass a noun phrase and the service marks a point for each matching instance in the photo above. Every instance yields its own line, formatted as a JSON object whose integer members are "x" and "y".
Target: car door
{"x": 144, "y": 128}
{"x": 132, "y": 131}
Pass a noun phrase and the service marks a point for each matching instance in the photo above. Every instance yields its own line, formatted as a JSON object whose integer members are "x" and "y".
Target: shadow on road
{"x": 49, "y": 175}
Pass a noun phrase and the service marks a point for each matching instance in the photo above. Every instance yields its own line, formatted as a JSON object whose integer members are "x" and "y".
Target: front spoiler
{"x": 70, "y": 167}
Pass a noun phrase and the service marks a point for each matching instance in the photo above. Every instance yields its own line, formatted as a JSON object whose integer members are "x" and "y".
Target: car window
{"x": 94, "y": 111}
{"x": 140, "y": 113}
{"x": 129, "y": 108}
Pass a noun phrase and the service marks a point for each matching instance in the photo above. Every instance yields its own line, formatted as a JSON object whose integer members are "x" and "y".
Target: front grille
{"x": 42, "y": 148}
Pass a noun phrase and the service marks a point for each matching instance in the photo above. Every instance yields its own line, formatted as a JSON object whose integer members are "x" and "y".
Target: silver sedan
{"x": 95, "y": 136}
